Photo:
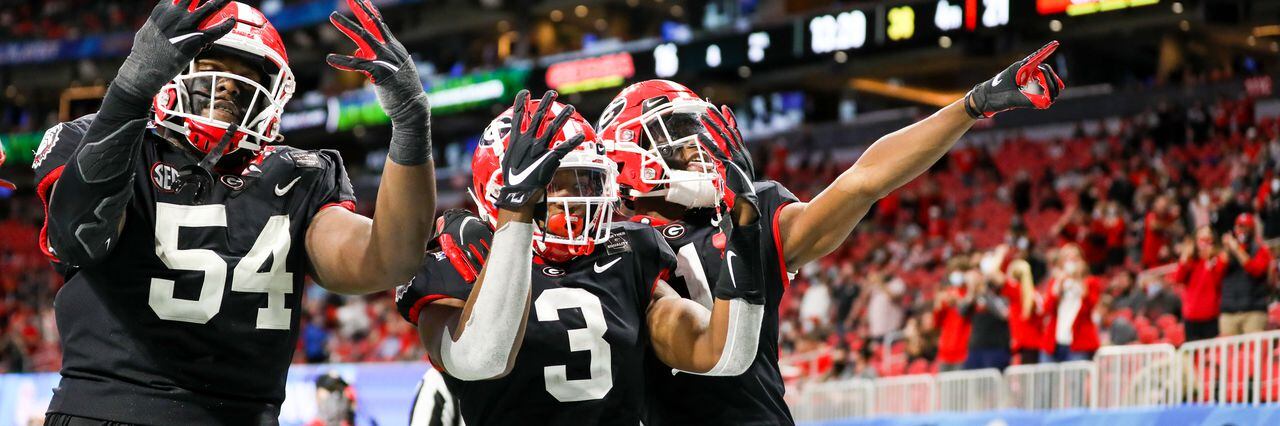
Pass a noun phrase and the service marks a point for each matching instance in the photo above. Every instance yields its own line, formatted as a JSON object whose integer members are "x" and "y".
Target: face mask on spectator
{"x": 897, "y": 287}
{"x": 1275, "y": 184}
{"x": 956, "y": 278}
{"x": 1071, "y": 267}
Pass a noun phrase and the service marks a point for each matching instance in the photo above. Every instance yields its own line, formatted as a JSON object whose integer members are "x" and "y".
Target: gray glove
{"x": 167, "y": 43}
{"x": 384, "y": 60}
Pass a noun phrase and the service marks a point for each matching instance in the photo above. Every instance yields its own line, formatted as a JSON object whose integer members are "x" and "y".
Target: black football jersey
{"x": 755, "y": 397}
{"x": 582, "y": 358}
{"x": 193, "y": 317}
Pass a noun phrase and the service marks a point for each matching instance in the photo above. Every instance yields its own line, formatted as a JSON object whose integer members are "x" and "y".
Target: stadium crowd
{"x": 975, "y": 264}
{"x": 1139, "y": 230}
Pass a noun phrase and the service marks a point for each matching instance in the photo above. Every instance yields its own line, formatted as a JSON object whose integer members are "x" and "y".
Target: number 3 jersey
{"x": 193, "y": 316}
{"x": 582, "y": 358}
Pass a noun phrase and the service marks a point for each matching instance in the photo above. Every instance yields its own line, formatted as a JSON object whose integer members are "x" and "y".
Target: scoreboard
{"x": 855, "y": 31}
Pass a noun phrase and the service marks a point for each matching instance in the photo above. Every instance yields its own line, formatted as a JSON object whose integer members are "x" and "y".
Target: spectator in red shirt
{"x": 1155, "y": 233}
{"x": 1244, "y": 286}
{"x": 1110, "y": 229}
{"x": 1069, "y": 299}
{"x": 1024, "y": 312}
{"x": 953, "y": 342}
{"x": 1201, "y": 267}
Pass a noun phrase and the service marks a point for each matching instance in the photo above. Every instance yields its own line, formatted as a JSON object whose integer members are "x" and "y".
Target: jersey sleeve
{"x": 660, "y": 264}
{"x": 334, "y": 187}
{"x": 454, "y": 260}
{"x": 436, "y": 279}
{"x": 55, "y": 149}
{"x": 773, "y": 197}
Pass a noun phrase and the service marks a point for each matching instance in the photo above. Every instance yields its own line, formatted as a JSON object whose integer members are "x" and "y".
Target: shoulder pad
{"x": 772, "y": 194}
{"x": 58, "y": 143}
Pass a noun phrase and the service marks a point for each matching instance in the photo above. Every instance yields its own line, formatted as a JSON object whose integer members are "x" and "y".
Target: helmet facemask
{"x": 672, "y": 157}
{"x": 195, "y": 105}
{"x": 580, "y": 203}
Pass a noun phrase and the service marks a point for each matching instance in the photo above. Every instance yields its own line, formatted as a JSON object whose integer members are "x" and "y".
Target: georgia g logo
{"x": 673, "y": 231}
{"x": 610, "y": 114}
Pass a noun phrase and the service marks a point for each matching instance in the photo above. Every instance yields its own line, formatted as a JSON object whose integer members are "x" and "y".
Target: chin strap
{"x": 194, "y": 179}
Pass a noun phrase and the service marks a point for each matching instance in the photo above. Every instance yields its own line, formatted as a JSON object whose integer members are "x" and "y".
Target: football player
{"x": 657, "y": 130}
{"x": 185, "y": 230}
{"x": 564, "y": 302}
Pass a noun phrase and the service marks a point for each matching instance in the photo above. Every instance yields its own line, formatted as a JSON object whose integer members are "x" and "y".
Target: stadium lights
{"x": 1266, "y": 31}
{"x": 908, "y": 93}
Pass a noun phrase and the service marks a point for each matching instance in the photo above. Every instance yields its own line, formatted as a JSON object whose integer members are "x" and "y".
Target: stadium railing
{"x": 1051, "y": 386}
{"x": 1137, "y": 376}
{"x": 914, "y": 394}
{"x": 1232, "y": 370}
{"x": 970, "y": 390}
{"x": 1242, "y": 369}
{"x": 850, "y": 398}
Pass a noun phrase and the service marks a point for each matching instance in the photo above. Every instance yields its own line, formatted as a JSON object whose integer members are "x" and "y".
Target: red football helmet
{"x": 179, "y": 104}
{"x": 580, "y": 198}
{"x": 651, "y": 130}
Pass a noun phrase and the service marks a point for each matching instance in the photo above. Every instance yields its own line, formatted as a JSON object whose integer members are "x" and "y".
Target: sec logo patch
{"x": 165, "y": 177}
{"x": 673, "y": 231}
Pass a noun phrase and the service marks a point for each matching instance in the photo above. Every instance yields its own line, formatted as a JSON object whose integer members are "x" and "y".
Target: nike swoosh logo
{"x": 281, "y": 191}
{"x": 996, "y": 81}
{"x": 728, "y": 259}
{"x": 519, "y": 177}
{"x": 181, "y": 38}
{"x": 462, "y": 230}
{"x": 600, "y": 269}
{"x": 387, "y": 65}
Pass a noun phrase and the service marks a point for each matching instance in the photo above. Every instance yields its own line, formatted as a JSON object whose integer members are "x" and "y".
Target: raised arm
{"x": 354, "y": 254}
{"x": 87, "y": 205}
{"x": 480, "y": 339}
{"x": 814, "y": 229}
{"x": 724, "y": 340}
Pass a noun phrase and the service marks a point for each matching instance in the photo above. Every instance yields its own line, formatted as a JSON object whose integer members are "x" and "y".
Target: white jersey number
{"x": 272, "y": 243}
{"x": 547, "y": 307}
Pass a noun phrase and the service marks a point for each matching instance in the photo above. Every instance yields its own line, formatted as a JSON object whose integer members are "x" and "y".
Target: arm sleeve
{"x": 484, "y": 349}
{"x": 740, "y": 283}
{"x": 93, "y": 191}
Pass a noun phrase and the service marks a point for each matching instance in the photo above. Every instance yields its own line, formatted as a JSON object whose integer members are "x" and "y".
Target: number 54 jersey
{"x": 193, "y": 316}
{"x": 582, "y": 358}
